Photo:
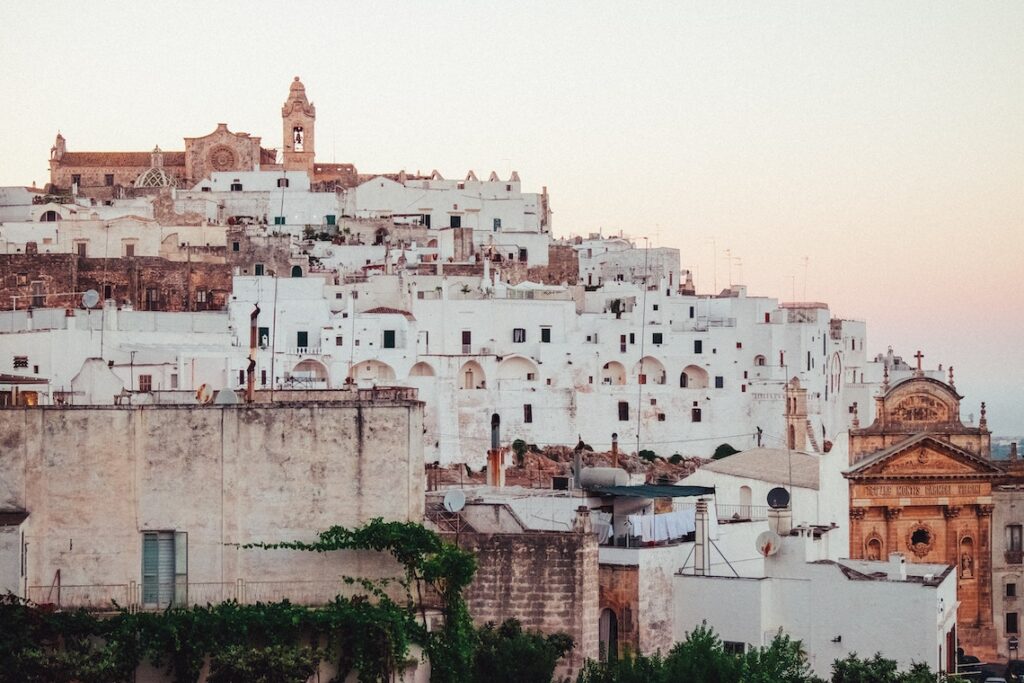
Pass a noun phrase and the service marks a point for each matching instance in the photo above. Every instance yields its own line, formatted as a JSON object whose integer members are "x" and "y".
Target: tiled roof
{"x": 772, "y": 465}
{"x": 136, "y": 159}
{"x": 391, "y": 311}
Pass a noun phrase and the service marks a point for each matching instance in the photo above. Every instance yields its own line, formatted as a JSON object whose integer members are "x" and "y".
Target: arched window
{"x": 495, "y": 431}
{"x": 296, "y": 271}
{"x": 746, "y": 496}
{"x": 49, "y": 216}
{"x": 873, "y": 549}
{"x": 759, "y": 360}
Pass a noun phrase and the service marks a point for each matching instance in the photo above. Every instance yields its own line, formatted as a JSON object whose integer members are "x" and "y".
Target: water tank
{"x": 603, "y": 476}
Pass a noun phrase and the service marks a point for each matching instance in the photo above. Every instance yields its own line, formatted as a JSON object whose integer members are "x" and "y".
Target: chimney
{"x": 702, "y": 541}
{"x": 1013, "y": 451}
{"x": 582, "y": 524}
{"x": 250, "y": 382}
{"x": 780, "y": 520}
{"x": 897, "y": 570}
{"x": 615, "y": 449}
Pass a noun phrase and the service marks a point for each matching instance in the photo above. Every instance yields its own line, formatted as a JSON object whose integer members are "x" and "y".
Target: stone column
{"x": 857, "y": 533}
{"x": 983, "y": 565}
{"x": 952, "y": 513}
{"x": 892, "y": 544}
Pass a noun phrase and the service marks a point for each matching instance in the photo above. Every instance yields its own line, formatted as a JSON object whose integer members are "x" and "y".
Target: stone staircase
{"x": 812, "y": 440}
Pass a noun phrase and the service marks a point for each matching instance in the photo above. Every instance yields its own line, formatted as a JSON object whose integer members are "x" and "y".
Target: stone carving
{"x": 951, "y": 511}
{"x": 893, "y": 513}
{"x": 222, "y": 158}
{"x": 919, "y": 408}
{"x": 857, "y": 513}
{"x": 920, "y": 539}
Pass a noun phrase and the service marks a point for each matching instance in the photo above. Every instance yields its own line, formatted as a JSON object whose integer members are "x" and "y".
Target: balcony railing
{"x": 133, "y": 596}
{"x": 1014, "y": 556}
{"x": 741, "y": 513}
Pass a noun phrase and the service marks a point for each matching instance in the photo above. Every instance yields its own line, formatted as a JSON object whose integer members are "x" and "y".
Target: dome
{"x": 156, "y": 177}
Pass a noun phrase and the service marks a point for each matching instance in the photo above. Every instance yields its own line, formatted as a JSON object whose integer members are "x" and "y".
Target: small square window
{"x": 282, "y": 182}
{"x": 719, "y": 382}
{"x": 258, "y": 269}
{"x": 698, "y": 346}
{"x": 518, "y": 335}
{"x": 1011, "y": 623}
{"x": 623, "y": 411}
{"x": 527, "y": 413}
{"x": 338, "y": 341}
{"x": 497, "y": 224}
{"x": 545, "y": 335}
{"x": 235, "y": 246}
{"x": 145, "y": 383}
{"x": 1011, "y": 590}
{"x": 695, "y": 414}
{"x": 236, "y": 187}
{"x": 655, "y": 307}
{"x": 656, "y": 338}
{"x": 108, "y": 179}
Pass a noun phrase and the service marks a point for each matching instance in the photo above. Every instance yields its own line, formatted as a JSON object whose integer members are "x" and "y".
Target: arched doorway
{"x": 608, "y": 630}
{"x": 296, "y": 271}
{"x": 693, "y": 377}
{"x": 471, "y": 376}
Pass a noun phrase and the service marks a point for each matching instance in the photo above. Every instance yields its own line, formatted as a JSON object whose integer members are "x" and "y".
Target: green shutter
{"x": 150, "y": 573}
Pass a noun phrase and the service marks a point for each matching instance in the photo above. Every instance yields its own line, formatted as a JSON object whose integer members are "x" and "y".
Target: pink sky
{"x": 883, "y": 141}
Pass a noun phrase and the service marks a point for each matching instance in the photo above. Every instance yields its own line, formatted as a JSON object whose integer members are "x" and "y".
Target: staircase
{"x": 447, "y": 522}
{"x": 812, "y": 440}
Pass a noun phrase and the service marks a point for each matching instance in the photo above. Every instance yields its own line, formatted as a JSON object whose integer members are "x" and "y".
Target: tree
{"x": 701, "y": 659}
{"x": 783, "y": 661}
{"x": 507, "y": 654}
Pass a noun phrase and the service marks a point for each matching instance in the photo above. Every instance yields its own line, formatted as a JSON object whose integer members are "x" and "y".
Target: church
{"x": 108, "y": 175}
{"x": 921, "y": 484}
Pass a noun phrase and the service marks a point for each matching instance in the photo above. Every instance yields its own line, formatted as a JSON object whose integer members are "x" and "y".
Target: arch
{"x": 693, "y": 377}
{"x": 380, "y": 236}
{"x": 760, "y": 360}
{"x": 873, "y": 549}
{"x": 471, "y": 376}
{"x": 517, "y": 367}
{"x": 309, "y": 369}
{"x": 422, "y": 369}
{"x": 746, "y": 497}
{"x": 372, "y": 371}
{"x": 651, "y": 369}
{"x": 50, "y": 216}
{"x": 608, "y": 630}
{"x": 495, "y": 431}
{"x": 613, "y": 372}
{"x": 296, "y": 271}
{"x": 966, "y": 557}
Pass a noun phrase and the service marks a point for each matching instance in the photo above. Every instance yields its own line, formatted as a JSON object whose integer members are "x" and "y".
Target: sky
{"x": 869, "y": 155}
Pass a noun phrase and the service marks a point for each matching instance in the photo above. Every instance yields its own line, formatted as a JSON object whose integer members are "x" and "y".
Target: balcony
{"x": 1014, "y": 556}
{"x": 133, "y": 597}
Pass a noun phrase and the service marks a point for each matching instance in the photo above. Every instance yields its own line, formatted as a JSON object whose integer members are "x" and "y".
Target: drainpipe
{"x": 250, "y": 388}
{"x": 615, "y": 450}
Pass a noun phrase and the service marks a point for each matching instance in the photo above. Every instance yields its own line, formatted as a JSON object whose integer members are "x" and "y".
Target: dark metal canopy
{"x": 653, "y": 491}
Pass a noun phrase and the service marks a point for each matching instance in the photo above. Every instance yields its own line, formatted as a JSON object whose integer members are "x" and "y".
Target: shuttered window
{"x": 164, "y": 568}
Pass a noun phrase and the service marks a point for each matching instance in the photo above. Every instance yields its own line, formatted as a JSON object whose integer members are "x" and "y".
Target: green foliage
{"x": 723, "y": 451}
{"x": 879, "y": 670}
{"x": 519, "y": 448}
{"x": 676, "y": 459}
{"x": 783, "y": 661}
{"x": 507, "y": 654}
{"x": 701, "y": 657}
{"x": 649, "y": 456}
{"x": 629, "y": 669}
{"x": 274, "y": 664}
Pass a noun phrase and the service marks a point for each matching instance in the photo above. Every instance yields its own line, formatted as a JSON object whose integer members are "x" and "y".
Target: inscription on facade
{"x": 911, "y": 490}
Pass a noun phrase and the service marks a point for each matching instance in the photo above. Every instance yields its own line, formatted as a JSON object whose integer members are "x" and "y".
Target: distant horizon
{"x": 869, "y": 156}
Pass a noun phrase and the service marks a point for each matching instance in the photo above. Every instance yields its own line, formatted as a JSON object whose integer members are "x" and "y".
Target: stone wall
{"x": 619, "y": 592}
{"x": 145, "y": 282}
{"x": 546, "y": 580}
{"x": 92, "y": 479}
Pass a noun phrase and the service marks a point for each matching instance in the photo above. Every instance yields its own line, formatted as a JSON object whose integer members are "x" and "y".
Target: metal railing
{"x": 735, "y": 513}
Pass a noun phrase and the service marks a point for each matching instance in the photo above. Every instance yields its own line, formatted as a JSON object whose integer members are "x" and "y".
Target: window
{"x": 164, "y": 567}
{"x": 695, "y": 414}
{"x": 201, "y": 296}
{"x": 21, "y": 361}
{"x": 282, "y": 182}
{"x": 497, "y": 224}
{"x": 152, "y": 299}
{"x": 258, "y": 269}
{"x": 623, "y": 411}
{"x": 731, "y": 647}
{"x": 527, "y": 413}
{"x": 523, "y": 257}
{"x": 739, "y": 345}
{"x": 241, "y": 376}
{"x": 236, "y": 187}
{"x": 278, "y": 220}
{"x": 1013, "y": 537}
{"x": 108, "y": 179}
{"x": 297, "y": 135}
{"x": 632, "y": 338}
{"x": 22, "y": 279}
{"x": 205, "y": 189}
{"x": 656, "y": 338}
{"x": 145, "y": 383}
{"x": 263, "y": 377}
{"x": 467, "y": 341}
{"x": 82, "y": 248}
{"x": 692, "y": 311}
{"x": 129, "y": 249}
{"x": 174, "y": 381}
{"x": 235, "y": 246}
{"x": 263, "y": 334}
{"x": 455, "y": 221}
{"x": 331, "y": 219}
{"x": 655, "y": 307}
{"x": 302, "y": 339}
{"x": 719, "y": 382}
{"x": 1011, "y": 622}
{"x": 518, "y": 335}
{"x": 339, "y": 340}
{"x": 545, "y": 335}
{"x": 389, "y": 339}
{"x": 1011, "y": 589}
{"x": 38, "y": 297}
{"x": 698, "y": 346}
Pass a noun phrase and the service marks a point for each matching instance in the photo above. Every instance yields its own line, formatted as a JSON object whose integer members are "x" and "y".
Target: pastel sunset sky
{"x": 882, "y": 141}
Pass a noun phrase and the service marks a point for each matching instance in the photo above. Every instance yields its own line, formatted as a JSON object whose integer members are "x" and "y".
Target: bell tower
{"x": 298, "y": 118}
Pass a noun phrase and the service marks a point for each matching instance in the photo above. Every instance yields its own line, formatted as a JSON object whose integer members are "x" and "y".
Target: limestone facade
{"x": 921, "y": 484}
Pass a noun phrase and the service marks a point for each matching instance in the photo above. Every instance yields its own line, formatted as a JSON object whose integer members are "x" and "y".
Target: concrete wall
{"x": 92, "y": 479}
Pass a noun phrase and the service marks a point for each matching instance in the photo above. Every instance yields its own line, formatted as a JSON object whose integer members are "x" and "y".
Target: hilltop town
{"x": 227, "y": 345}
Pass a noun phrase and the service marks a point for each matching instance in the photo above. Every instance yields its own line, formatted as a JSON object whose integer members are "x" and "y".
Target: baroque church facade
{"x": 921, "y": 484}
{"x": 108, "y": 175}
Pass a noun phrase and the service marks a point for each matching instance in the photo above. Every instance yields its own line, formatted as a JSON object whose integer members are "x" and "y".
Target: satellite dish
{"x": 454, "y": 500}
{"x": 90, "y": 298}
{"x": 778, "y": 498}
{"x": 204, "y": 394}
{"x": 226, "y": 397}
{"x": 768, "y": 543}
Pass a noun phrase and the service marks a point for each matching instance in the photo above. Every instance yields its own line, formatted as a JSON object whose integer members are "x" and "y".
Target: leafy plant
{"x": 724, "y": 451}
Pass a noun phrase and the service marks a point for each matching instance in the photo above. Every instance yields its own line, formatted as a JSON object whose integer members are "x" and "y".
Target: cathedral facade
{"x": 107, "y": 175}
{"x": 921, "y": 484}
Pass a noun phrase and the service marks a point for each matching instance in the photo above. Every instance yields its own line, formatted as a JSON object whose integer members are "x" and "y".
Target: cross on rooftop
{"x": 919, "y": 356}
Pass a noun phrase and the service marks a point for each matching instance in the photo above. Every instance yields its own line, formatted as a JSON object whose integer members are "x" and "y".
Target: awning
{"x": 19, "y": 379}
{"x": 653, "y": 491}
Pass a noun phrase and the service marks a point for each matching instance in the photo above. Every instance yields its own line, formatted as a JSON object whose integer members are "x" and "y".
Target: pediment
{"x": 924, "y": 456}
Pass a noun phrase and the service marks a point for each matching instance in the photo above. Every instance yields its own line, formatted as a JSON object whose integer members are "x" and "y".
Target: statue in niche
{"x": 966, "y": 566}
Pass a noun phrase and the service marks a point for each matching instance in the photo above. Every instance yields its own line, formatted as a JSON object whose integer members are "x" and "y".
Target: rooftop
{"x": 773, "y": 465}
